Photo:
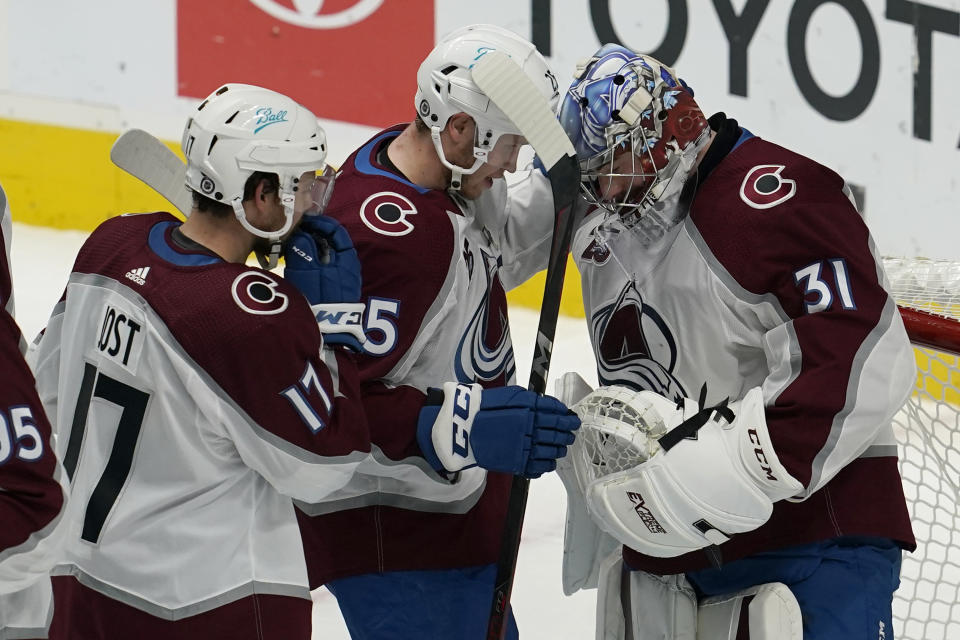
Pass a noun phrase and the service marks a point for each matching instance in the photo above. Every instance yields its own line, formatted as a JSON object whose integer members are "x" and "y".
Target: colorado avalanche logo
{"x": 386, "y": 213}
{"x": 256, "y": 292}
{"x": 764, "y": 187}
{"x": 485, "y": 351}
{"x": 597, "y": 252}
{"x": 635, "y": 347}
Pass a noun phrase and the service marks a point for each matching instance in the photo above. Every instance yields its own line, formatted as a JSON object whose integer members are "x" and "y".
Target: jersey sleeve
{"x": 32, "y": 482}
{"x": 526, "y": 226}
{"x": 292, "y": 409}
{"x": 839, "y": 360}
{"x": 838, "y": 371}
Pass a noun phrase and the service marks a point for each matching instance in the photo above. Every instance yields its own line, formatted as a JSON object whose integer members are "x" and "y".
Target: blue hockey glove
{"x": 505, "y": 429}
{"x": 323, "y": 265}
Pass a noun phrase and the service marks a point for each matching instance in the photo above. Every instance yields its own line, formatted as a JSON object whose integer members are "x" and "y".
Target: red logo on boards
{"x": 349, "y": 60}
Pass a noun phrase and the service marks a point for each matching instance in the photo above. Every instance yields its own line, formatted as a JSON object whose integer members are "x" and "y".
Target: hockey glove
{"x": 713, "y": 473}
{"x": 323, "y": 265}
{"x": 505, "y": 429}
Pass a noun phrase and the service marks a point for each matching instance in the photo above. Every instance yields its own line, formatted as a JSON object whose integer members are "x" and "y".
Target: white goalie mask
{"x": 445, "y": 87}
{"x": 638, "y": 132}
{"x": 240, "y": 129}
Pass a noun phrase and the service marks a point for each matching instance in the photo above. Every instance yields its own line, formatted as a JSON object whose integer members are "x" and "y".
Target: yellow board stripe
{"x": 62, "y": 178}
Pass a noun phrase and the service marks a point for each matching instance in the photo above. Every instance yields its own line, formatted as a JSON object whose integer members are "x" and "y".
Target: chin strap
{"x": 456, "y": 172}
{"x": 270, "y": 260}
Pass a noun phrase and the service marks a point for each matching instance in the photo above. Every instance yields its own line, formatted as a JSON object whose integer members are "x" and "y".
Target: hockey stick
{"x": 508, "y": 87}
{"x": 152, "y": 162}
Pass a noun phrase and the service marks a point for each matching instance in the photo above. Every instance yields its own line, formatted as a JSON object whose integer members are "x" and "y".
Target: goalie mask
{"x": 240, "y": 129}
{"x": 445, "y": 87}
{"x": 637, "y": 131}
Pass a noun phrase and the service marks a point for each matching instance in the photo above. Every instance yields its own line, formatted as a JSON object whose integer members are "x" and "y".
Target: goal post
{"x": 927, "y": 605}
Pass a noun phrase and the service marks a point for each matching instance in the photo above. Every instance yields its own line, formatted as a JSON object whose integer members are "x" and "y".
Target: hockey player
{"x": 440, "y": 237}
{"x": 32, "y": 498}
{"x": 194, "y": 396}
{"x": 733, "y": 289}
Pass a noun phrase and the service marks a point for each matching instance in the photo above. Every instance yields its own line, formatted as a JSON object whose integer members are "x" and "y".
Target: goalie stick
{"x": 149, "y": 160}
{"x": 502, "y": 80}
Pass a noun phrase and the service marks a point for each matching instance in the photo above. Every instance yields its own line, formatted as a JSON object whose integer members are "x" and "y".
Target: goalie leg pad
{"x": 769, "y": 611}
{"x": 585, "y": 546}
{"x": 642, "y": 606}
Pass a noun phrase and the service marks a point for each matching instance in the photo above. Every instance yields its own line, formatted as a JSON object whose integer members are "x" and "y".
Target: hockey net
{"x": 927, "y": 605}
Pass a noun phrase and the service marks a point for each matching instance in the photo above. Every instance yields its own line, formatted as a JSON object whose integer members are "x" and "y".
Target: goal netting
{"x": 927, "y": 605}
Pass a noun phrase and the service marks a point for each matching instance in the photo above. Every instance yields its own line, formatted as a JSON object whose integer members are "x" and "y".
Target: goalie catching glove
{"x": 323, "y": 264}
{"x": 507, "y": 429}
{"x": 712, "y": 472}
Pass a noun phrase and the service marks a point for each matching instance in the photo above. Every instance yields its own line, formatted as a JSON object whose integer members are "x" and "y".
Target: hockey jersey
{"x": 192, "y": 399}
{"x": 32, "y": 498}
{"x": 772, "y": 281}
{"x": 435, "y": 268}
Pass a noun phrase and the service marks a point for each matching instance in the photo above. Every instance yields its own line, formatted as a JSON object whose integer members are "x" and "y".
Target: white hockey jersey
{"x": 192, "y": 400}
{"x": 771, "y": 282}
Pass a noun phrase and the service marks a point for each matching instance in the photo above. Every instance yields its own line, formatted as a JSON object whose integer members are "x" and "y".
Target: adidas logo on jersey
{"x": 138, "y": 275}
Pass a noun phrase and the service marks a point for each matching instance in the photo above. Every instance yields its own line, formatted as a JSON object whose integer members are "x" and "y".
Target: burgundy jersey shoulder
{"x": 250, "y": 330}
{"x": 405, "y": 238}
{"x": 389, "y": 218}
{"x": 766, "y": 213}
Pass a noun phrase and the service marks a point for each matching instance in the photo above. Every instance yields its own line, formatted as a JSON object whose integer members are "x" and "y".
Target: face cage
{"x": 631, "y": 205}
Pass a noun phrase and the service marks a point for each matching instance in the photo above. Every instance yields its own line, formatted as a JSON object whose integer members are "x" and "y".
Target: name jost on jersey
{"x": 120, "y": 337}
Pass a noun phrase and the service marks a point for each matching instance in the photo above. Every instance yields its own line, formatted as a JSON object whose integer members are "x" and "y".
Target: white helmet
{"x": 240, "y": 129}
{"x": 445, "y": 87}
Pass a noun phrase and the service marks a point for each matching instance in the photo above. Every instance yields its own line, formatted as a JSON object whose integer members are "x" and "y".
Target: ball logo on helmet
{"x": 764, "y": 187}
{"x": 266, "y": 117}
{"x": 306, "y": 13}
{"x": 255, "y": 292}
{"x": 386, "y": 213}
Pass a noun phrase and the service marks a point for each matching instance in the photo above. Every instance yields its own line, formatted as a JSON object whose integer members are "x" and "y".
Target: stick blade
{"x": 505, "y": 83}
{"x": 149, "y": 160}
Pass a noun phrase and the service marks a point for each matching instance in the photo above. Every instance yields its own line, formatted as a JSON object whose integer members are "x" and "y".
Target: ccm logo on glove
{"x": 761, "y": 456}
{"x": 461, "y": 418}
{"x": 507, "y": 429}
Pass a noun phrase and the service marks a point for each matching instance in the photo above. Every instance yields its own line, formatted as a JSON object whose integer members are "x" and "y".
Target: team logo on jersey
{"x": 485, "y": 351}
{"x": 386, "y": 213}
{"x": 306, "y": 13}
{"x": 764, "y": 187}
{"x": 255, "y": 292}
{"x": 635, "y": 347}
{"x": 596, "y": 252}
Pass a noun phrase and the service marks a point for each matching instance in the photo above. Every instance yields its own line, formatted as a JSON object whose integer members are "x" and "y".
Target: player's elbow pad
{"x": 720, "y": 480}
